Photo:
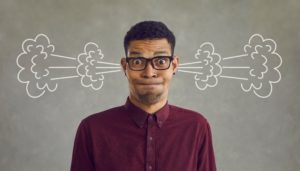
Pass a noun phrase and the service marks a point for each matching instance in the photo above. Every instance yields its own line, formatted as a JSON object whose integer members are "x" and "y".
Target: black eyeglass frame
{"x": 171, "y": 58}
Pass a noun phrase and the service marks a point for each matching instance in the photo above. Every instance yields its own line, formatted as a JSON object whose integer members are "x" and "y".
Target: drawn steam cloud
{"x": 256, "y": 69}
{"x": 258, "y": 66}
{"x": 209, "y": 67}
{"x": 90, "y": 64}
{"x": 38, "y": 66}
{"x": 34, "y": 70}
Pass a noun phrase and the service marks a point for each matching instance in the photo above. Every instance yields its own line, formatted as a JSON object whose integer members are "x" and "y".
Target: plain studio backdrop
{"x": 250, "y": 133}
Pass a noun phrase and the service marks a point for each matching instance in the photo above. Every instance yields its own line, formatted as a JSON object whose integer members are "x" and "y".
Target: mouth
{"x": 149, "y": 84}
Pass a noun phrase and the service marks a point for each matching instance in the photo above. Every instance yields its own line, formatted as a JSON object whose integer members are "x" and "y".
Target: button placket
{"x": 150, "y": 156}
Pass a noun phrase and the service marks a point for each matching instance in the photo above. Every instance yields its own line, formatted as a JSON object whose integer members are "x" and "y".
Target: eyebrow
{"x": 138, "y": 53}
{"x": 134, "y": 53}
{"x": 160, "y": 52}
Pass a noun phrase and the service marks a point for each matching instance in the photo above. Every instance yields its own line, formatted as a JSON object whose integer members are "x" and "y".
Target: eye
{"x": 137, "y": 61}
{"x": 162, "y": 61}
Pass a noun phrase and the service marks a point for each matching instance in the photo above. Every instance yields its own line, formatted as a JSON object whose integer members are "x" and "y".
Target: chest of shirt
{"x": 171, "y": 147}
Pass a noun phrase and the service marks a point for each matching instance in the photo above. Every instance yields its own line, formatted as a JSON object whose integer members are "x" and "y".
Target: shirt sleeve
{"x": 82, "y": 158}
{"x": 206, "y": 157}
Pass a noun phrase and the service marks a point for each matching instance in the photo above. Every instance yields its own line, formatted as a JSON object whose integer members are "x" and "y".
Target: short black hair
{"x": 149, "y": 30}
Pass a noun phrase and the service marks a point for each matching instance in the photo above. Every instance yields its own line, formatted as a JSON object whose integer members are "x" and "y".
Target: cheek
{"x": 168, "y": 77}
{"x": 131, "y": 77}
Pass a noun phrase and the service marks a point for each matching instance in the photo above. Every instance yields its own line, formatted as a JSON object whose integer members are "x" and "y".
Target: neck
{"x": 149, "y": 108}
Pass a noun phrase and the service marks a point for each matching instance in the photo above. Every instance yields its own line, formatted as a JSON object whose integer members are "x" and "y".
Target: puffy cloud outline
{"x": 211, "y": 67}
{"x": 34, "y": 67}
{"x": 87, "y": 66}
{"x": 264, "y": 64}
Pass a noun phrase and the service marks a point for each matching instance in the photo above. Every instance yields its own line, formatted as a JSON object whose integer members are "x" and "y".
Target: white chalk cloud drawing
{"x": 38, "y": 62}
{"x": 208, "y": 65}
{"x": 258, "y": 67}
{"x": 90, "y": 69}
{"x": 34, "y": 70}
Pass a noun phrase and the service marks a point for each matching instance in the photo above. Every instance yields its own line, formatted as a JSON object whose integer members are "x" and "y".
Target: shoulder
{"x": 103, "y": 117}
{"x": 187, "y": 115}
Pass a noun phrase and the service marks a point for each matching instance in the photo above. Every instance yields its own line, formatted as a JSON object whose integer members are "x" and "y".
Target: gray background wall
{"x": 249, "y": 133}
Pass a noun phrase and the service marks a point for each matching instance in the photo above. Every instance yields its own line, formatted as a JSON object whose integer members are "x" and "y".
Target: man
{"x": 146, "y": 133}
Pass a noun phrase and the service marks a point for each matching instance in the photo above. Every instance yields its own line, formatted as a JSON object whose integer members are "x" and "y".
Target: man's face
{"x": 149, "y": 86}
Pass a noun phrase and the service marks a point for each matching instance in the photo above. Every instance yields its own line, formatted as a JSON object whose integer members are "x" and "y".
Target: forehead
{"x": 149, "y": 46}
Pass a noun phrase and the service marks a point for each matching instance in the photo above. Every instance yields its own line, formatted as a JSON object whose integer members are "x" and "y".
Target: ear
{"x": 123, "y": 64}
{"x": 175, "y": 63}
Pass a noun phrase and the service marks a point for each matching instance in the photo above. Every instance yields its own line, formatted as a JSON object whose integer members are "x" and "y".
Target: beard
{"x": 150, "y": 97}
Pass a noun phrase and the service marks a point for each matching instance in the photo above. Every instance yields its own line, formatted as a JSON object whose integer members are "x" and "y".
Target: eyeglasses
{"x": 158, "y": 62}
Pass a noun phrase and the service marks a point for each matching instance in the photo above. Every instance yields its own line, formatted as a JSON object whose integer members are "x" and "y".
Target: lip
{"x": 149, "y": 85}
{"x": 155, "y": 84}
{"x": 148, "y": 82}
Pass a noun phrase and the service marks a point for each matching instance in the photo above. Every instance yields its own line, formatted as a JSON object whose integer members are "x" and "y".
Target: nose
{"x": 149, "y": 71}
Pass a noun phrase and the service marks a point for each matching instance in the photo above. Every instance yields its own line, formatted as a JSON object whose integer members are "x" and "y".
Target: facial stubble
{"x": 150, "y": 97}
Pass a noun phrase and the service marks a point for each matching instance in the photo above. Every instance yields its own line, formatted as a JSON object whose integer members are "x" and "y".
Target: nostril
{"x": 149, "y": 73}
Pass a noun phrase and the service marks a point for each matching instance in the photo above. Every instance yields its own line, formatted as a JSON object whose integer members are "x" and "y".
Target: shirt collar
{"x": 139, "y": 116}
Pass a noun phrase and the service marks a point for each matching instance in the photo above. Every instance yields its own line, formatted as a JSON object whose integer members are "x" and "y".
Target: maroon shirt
{"x": 126, "y": 138}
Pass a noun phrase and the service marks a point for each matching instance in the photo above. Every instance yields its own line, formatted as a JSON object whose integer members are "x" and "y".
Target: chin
{"x": 150, "y": 98}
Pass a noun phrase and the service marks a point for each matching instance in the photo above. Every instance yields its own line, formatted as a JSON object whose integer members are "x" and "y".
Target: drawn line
{"x": 190, "y": 63}
{"x": 192, "y": 72}
{"x": 61, "y": 56}
{"x": 61, "y": 78}
{"x": 62, "y": 67}
{"x": 238, "y": 67}
{"x": 100, "y": 62}
{"x": 108, "y": 67}
{"x": 190, "y": 67}
{"x": 237, "y": 56}
{"x": 239, "y": 78}
{"x": 107, "y": 72}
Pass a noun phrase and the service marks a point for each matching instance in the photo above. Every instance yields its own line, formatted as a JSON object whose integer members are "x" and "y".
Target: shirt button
{"x": 150, "y": 138}
{"x": 150, "y": 167}
{"x": 151, "y": 118}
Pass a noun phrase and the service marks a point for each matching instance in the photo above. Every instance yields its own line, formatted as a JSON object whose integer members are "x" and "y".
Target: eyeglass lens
{"x": 140, "y": 63}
